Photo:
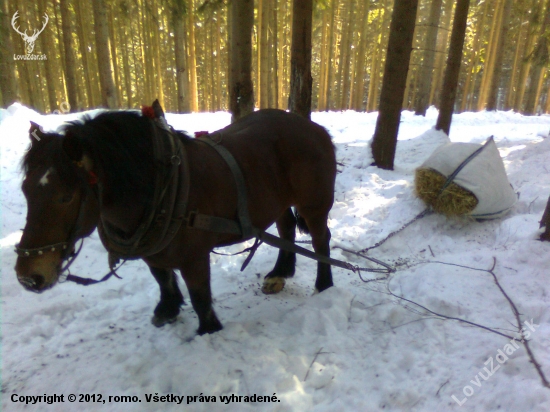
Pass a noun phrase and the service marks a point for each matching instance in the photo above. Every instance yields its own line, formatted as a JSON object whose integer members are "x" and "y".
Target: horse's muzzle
{"x": 33, "y": 283}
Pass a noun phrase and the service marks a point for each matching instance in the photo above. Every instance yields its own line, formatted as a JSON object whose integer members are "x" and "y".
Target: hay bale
{"x": 454, "y": 200}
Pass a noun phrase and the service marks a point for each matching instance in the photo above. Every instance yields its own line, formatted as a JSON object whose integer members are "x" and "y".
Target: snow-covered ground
{"x": 351, "y": 348}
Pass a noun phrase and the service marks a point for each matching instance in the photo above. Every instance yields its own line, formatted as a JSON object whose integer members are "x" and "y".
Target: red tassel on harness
{"x": 199, "y": 134}
{"x": 148, "y": 111}
{"x": 92, "y": 178}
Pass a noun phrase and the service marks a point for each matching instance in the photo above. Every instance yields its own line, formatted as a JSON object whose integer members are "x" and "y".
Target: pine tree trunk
{"x": 539, "y": 59}
{"x": 181, "y": 72}
{"x": 8, "y": 79}
{"x": 520, "y": 41}
{"x": 108, "y": 92}
{"x": 468, "y": 95}
{"x": 323, "y": 72}
{"x": 450, "y": 82}
{"x": 360, "y": 64}
{"x": 345, "y": 57}
{"x": 70, "y": 74}
{"x": 427, "y": 68}
{"x": 241, "y": 93}
{"x": 442, "y": 41}
{"x": 497, "y": 71}
{"x": 492, "y": 51}
{"x": 300, "y": 66}
{"x": 330, "y": 57}
{"x": 83, "y": 43}
{"x": 192, "y": 64}
{"x": 114, "y": 58}
{"x": 393, "y": 86}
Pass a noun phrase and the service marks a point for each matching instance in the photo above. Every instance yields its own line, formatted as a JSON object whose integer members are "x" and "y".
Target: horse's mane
{"x": 120, "y": 144}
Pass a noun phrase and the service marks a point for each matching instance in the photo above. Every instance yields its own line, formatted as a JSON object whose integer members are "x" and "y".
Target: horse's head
{"x": 62, "y": 207}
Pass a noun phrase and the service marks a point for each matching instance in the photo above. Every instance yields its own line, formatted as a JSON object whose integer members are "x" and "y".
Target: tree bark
{"x": 300, "y": 61}
{"x": 539, "y": 59}
{"x": 241, "y": 92}
{"x": 178, "y": 14}
{"x": 497, "y": 72}
{"x": 427, "y": 68}
{"x": 8, "y": 79}
{"x": 70, "y": 74}
{"x": 450, "y": 82}
{"x": 393, "y": 86}
{"x": 108, "y": 92}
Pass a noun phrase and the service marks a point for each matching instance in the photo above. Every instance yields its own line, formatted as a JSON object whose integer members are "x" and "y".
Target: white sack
{"x": 484, "y": 175}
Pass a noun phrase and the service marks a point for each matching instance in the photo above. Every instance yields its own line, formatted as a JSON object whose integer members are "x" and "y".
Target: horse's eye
{"x": 67, "y": 198}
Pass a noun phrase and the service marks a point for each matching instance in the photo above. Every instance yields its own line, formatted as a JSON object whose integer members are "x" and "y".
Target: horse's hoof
{"x": 273, "y": 285}
{"x": 210, "y": 329}
{"x": 160, "y": 321}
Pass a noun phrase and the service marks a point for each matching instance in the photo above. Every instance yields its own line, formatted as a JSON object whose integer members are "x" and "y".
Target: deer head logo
{"x": 29, "y": 40}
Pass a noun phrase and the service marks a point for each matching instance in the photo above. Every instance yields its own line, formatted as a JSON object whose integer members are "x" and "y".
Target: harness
{"x": 170, "y": 199}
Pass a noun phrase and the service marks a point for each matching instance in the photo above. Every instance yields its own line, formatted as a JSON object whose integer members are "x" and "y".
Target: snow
{"x": 351, "y": 347}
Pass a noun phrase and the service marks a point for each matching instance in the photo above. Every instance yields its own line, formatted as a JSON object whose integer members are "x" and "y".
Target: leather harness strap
{"x": 246, "y": 229}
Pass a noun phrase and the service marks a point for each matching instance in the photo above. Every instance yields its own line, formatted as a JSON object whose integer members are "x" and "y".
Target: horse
{"x": 108, "y": 171}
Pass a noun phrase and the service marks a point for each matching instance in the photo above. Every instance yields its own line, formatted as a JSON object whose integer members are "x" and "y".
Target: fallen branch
{"x": 517, "y": 315}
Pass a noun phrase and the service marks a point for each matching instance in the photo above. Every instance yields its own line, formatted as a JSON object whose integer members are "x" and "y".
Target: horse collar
{"x": 170, "y": 197}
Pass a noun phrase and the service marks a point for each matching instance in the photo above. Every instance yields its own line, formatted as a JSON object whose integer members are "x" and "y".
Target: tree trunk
{"x": 192, "y": 65}
{"x": 393, "y": 86}
{"x": 442, "y": 41}
{"x": 539, "y": 59}
{"x": 299, "y": 100}
{"x": 427, "y": 68}
{"x": 8, "y": 79}
{"x": 108, "y": 92}
{"x": 241, "y": 93}
{"x": 178, "y": 14}
{"x": 497, "y": 72}
{"x": 450, "y": 82}
{"x": 70, "y": 74}
{"x": 359, "y": 89}
{"x": 345, "y": 58}
{"x": 330, "y": 55}
{"x": 263, "y": 50}
{"x": 468, "y": 95}
{"x": 488, "y": 68}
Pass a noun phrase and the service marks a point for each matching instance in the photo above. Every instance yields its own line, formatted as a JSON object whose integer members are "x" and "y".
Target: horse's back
{"x": 287, "y": 133}
{"x": 287, "y": 159}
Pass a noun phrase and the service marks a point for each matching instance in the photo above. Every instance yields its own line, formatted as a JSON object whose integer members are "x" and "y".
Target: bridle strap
{"x": 39, "y": 251}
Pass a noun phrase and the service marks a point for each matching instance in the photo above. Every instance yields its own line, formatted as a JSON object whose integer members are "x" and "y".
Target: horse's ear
{"x": 35, "y": 133}
{"x": 158, "y": 109}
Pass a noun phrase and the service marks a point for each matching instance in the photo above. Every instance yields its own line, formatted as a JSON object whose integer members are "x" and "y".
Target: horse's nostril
{"x": 33, "y": 282}
{"x": 38, "y": 281}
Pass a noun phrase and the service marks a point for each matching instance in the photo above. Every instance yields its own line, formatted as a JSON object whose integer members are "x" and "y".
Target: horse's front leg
{"x": 171, "y": 298}
{"x": 196, "y": 274}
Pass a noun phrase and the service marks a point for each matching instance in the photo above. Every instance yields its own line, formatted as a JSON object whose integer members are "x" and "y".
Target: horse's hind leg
{"x": 171, "y": 298}
{"x": 286, "y": 261}
{"x": 320, "y": 237}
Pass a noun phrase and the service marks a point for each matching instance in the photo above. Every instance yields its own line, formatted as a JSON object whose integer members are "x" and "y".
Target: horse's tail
{"x": 301, "y": 223}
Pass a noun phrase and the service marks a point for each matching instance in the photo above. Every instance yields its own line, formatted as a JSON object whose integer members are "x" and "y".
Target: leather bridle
{"x": 68, "y": 247}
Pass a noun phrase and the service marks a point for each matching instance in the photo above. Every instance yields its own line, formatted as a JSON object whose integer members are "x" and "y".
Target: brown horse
{"x": 104, "y": 171}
